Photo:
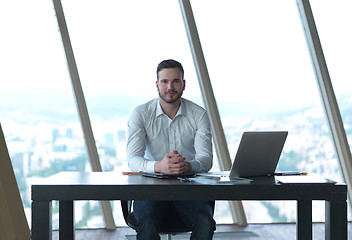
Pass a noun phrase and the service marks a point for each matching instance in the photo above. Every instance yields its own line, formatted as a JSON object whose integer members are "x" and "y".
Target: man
{"x": 170, "y": 135}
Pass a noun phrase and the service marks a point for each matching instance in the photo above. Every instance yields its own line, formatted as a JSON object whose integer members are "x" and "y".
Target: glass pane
{"x": 263, "y": 79}
{"x": 37, "y": 109}
{"x": 336, "y": 37}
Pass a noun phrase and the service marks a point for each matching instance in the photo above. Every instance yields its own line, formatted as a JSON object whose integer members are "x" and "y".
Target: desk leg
{"x": 41, "y": 220}
{"x": 304, "y": 220}
{"x": 336, "y": 220}
{"x": 66, "y": 221}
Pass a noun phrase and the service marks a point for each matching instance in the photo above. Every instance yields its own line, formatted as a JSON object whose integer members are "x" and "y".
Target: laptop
{"x": 258, "y": 153}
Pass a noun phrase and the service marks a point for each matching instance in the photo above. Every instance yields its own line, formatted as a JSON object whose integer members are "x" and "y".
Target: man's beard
{"x": 171, "y": 101}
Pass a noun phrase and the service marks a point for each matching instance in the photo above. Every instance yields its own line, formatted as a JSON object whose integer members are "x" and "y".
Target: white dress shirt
{"x": 152, "y": 134}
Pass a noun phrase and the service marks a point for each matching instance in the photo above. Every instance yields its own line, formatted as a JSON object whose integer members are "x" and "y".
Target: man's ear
{"x": 184, "y": 84}
{"x": 157, "y": 85}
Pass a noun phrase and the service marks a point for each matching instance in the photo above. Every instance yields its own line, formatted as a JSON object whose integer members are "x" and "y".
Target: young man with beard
{"x": 170, "y": 135}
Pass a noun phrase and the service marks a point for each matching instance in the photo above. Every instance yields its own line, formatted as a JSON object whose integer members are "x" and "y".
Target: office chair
{"x": 171, "y": 227}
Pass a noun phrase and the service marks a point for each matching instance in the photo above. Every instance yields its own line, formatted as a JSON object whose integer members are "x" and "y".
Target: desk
{"x": 67, "y": 187}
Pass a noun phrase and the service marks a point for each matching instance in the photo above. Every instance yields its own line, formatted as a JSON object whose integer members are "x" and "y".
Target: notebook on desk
{"x": 258, "y": 153}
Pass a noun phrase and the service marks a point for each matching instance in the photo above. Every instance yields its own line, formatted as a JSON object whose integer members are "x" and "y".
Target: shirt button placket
{"x": 172, "y": 141}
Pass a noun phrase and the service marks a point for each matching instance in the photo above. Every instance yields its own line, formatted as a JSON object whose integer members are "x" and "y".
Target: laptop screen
{"x": 258, "y": 153}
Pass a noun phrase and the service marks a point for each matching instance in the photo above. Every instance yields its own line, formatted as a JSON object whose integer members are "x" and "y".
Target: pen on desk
{"x": 184, "y": 179}
{"x": 290, "y": 173}
{"x": 131, "y": 173}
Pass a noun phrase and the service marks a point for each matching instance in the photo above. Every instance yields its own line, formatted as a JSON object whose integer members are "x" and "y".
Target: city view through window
{"x": 258, "y": 62}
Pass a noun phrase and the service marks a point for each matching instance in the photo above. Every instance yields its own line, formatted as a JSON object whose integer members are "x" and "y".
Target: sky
{"x": 254, "y": 53}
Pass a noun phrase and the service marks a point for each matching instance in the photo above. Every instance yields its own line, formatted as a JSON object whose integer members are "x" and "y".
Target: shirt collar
{"x": 159, "y": 111}
{"x": 181, "y": 110}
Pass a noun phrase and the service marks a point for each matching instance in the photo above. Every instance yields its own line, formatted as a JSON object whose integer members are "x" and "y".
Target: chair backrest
{"x": 173, "y": 225}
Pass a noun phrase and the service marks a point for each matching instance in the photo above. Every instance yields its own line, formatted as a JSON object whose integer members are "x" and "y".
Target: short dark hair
{"x": 169, "y": 63}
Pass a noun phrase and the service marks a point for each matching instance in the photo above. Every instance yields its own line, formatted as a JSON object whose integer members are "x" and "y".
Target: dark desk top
{"x": 115, "y": 186}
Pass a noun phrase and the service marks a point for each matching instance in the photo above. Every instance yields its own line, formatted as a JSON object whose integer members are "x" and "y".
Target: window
{"x": 257, "y": 59}
{"x": 263, "y": 79}
{"x": 335, "y": 36}
{"x": 37, "y": 108}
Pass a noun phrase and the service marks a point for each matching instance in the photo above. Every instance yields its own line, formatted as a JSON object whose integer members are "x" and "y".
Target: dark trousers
{"x": 196, "y": 215}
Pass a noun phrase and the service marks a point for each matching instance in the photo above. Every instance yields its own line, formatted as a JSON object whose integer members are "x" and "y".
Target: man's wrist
{"x": 156, "y": 167}
{"x": 188, "y": 167}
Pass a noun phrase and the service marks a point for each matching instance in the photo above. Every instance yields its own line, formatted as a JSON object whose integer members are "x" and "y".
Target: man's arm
{"x": 136, "y": 144}
{"x": 203, "y": 146}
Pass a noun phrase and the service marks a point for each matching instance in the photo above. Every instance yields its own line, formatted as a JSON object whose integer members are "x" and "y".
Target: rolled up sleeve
{"x": 203, "y": 161}
{"x": 136, "y": 145}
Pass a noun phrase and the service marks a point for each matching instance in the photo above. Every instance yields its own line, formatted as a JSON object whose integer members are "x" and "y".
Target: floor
{"x": 223, "y": 232}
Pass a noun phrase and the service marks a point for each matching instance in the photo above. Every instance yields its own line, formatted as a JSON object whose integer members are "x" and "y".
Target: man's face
{"x": 170, "y": 85}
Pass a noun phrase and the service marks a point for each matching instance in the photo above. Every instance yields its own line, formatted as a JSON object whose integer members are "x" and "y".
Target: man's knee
{"x": 147, "y": 228}
{"x": 206, "y": 223}
{"x": 203, "y": 228}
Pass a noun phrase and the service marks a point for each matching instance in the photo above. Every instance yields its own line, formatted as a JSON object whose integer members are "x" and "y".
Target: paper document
{"x": 213, "y": 180}
{"x": 214, "y": 174}
{"x": 308, "y": 178}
